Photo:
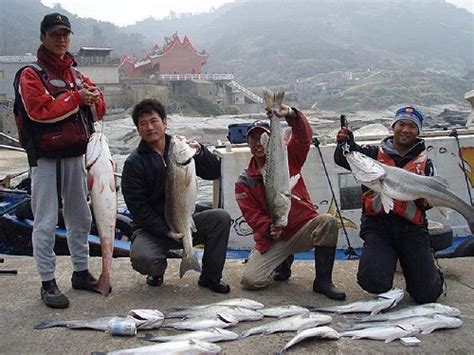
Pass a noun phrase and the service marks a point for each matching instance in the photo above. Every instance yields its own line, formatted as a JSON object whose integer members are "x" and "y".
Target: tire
{"x": 124, "y": 225}
{"x": 441, "y": 236}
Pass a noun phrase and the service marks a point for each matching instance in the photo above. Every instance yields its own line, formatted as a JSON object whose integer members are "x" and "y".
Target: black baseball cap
{"x": 55, "y": 21}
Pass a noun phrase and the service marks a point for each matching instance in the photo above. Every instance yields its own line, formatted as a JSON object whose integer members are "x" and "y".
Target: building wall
{"x": 181, "y": 60}
{"x": 6, "y": 79}
{"x": 101, "y": 74}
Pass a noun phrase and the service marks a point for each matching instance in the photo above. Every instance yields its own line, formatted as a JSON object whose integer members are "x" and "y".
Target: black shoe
{"x": 83, "y": 280}
{"x": 216, "y": 286}
{"x": 154, "y": 280}
{"x": 283, "y": 271}
{"x": 51, "y": 295}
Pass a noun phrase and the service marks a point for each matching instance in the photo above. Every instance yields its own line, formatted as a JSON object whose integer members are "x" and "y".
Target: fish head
{"x": 365, "y": 169}
{"x": 180, "y": 152}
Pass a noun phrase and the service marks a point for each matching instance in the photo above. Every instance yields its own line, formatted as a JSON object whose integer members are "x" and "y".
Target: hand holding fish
{"x": 276, "y": 231}
{"x": 281, "y": 111}
{"x": 195, "y": 145}
{"x": 176, "y": 236}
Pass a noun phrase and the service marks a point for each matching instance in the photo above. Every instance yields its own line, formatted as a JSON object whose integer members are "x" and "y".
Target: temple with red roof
{"x": 175, "y": 57}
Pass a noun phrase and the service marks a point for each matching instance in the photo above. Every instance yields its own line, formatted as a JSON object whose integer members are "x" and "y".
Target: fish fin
{"x": 294, "y": 180}
{"x": 193, "y": 226}
{"x": 267, "y": 98}
{"x": 189, "y": 262}
{"x": 112, "y": 185}
{"x": 90, "y": 181}
{"x": 47, "y": 324}
{"x": 227, "y": 318}
{"x": 286, "y": 135}
{"x": 428, "y": 330}
{"x": 387, "y": 203}
{"x": 103, "y": 284}
{"x": 440, "y": 180}
{"x": 390, "y": 339}
{"x": 264, "y": 138}
{"x": 278, "y": 98}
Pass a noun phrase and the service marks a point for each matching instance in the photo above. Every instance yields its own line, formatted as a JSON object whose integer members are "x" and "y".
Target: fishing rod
{"x": 454, "y": 133}
{"x": 350, "y": 251}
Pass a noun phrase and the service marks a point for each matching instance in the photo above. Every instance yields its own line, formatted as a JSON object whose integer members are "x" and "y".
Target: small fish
{"x": 323, "y": 332}
{"x": 212, "y": 335}
{"x": 241, "y": 314}
{"x": 143, "y": 319}
{"x": 283, "y": 311}
{"x": 428, "y": 309}
{"x": 298, "y": 322}
{"x": 426, "y": 324}
{"x": 238, "y": 302}
{"x": 219, "y": 321}
{"x": 188, "y": 347}
{"x": 387, "y": 334}
{"x": 382, "y": 302}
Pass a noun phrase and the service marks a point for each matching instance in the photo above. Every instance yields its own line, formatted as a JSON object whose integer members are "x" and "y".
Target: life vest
{"x": 65, "y": 138}
{"x": 372, "y": 203}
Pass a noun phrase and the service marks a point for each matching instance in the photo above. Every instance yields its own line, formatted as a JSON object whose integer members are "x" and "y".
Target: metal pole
{"x": 454, "y": 133}
{"x": 350, "y": 251}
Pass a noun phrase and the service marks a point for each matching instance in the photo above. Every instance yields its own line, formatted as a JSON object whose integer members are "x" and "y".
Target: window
{"x": 349, "y": 192}
{"x": 2, "y": 74}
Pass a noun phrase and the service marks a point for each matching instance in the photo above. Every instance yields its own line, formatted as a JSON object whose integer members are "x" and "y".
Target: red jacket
{"x": 250, "y": 191}
{"x": 39, "y": 104}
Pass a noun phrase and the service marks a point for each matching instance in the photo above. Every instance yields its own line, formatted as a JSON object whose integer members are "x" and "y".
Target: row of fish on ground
{"x": 206, "y": 324}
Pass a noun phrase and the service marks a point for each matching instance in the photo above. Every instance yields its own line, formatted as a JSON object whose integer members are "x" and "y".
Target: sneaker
{"x": 83, "y": 280}
{"x": 51, "y": 295}
{"x": 216, "y": 286}
{"x": 283, "y": 271}
{"x": 154, "y": 280}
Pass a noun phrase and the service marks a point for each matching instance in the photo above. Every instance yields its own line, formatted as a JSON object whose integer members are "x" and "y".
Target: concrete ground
{"x": 21, "y": 308}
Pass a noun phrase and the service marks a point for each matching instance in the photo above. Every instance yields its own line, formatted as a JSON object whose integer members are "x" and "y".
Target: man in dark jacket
{"x": 143, "y": 188}
{"x": 305, "y": 229}
{"x": 401, "y": 234}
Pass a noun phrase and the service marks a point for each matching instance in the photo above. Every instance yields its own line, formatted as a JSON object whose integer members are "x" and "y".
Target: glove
{"x": 345, "y": 135}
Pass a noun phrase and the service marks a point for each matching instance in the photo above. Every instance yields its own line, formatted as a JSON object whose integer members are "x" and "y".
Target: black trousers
{"x": 388, "y": 238}
{"x": 148, "y": 252}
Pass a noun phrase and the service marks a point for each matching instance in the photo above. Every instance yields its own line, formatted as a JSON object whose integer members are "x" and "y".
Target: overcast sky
{"x": 128, "y": 12}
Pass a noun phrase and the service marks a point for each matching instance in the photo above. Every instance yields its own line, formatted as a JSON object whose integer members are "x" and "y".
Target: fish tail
{"x": 103, "y": 285}
{"x": 45, "y": 324}
{"x": 189, "y": 262}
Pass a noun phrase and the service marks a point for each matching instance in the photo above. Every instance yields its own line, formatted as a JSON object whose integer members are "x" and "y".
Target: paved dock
{"x": 21, "y": 308}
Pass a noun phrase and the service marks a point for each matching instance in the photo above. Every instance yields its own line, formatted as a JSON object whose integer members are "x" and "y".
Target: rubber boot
{"x": 283, "y": 271}
{"x": 324, "y": 262}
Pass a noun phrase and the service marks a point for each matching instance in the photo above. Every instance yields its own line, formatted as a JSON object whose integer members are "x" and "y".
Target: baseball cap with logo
{"x": 259, "y": 124}
{"x": 55, "y": 21}
{"x": 411, "y": 114}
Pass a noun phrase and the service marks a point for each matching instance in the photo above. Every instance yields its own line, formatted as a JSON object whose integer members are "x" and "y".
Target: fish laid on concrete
{"x": 426, "y": 324}
{"x": 428, "y": 309}
{"x": 220, "y": 320}
{"x": 143, "y": 319}
{"x": 188, "y": 347}
{"x": 238, "y": 302}
{"x": 323, "y": 332}
{"x": 298, "y": 322}
{"x": 283, "y": 311}
{"x": 212, "y": 335}
{"x": 181, "y": 196}
{"x": 101, "y": 185}
{"x": 241, "y": 314}
{"x": 396, "y": 183}
{"x": 382, "y": 302}
{"x": 276, "y": 174}
{"x": 387, "y": 334}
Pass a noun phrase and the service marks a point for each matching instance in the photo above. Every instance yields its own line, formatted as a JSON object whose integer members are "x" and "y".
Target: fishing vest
{"x": 65, "y": 138}
{"x": 372, "y": 203}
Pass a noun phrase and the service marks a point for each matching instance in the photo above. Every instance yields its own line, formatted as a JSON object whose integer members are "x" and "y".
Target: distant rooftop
{"x": 29, "y": 58}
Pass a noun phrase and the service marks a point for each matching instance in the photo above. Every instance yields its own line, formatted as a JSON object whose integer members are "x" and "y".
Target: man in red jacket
{"x": 275, "y": 245}
{"x": 55, "y": 106}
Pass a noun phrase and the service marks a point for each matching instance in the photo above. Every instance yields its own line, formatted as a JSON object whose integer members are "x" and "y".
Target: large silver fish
{"x": 188, "y": 347}
{"x": 283, "y": 311}
{"x": 241, "y": 314}
{"x": 383, "y": 301}
{"x": 101, "y": 185}
{"x": 426, "y": 324}
{"x": 298, "y": 322}
{"x": 220, "y": 320}
{"x": 238, "y": 302}
{"x": 428, "y": 309}
{"x": 181, "y": 195}
{"x": 212, "y": 335}
{"x": 143, "y": 319}
{"x": 276, "y": 174}
{"x": 393, "y": 183}
{"x": 387, "y": 334}
{"x": 323, "y": 332}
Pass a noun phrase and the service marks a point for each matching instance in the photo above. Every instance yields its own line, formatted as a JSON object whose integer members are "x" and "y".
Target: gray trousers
{"x": 260, "y": 268}
{"x": 76, "y": 212}
{"x": 148, "y": 252}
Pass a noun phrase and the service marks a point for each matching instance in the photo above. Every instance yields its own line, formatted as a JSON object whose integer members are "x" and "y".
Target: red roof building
{"x": 175, "y": 57}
